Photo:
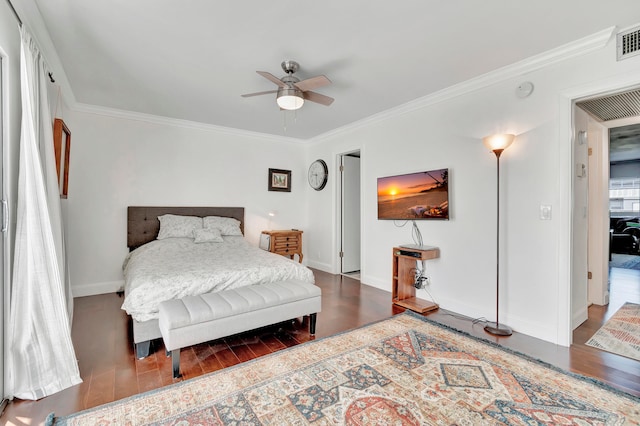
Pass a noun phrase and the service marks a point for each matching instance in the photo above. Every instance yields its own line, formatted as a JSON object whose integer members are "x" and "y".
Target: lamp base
{"x": 498, "y": 329}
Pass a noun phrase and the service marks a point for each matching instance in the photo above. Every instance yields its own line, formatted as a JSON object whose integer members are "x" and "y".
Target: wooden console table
{"x": 404, "y": 266}
{"x": 287, "y": 243}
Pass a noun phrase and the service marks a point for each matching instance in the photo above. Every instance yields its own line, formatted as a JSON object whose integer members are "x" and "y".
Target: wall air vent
{"x": 613, "y": 107}
{"x": 628, "y": 43}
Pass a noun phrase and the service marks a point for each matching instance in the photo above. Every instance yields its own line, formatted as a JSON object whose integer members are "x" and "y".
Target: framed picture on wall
{"x": 62, "y": 148}
{"x": 279, "y": 180}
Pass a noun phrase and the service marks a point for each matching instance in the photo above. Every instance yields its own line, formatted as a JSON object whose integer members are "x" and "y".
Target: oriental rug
{"x": 621, "y": 333}
{"x": 405, "y": 370}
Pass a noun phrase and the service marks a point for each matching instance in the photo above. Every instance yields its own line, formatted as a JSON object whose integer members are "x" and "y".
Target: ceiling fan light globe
{"x": 290, "y": 99}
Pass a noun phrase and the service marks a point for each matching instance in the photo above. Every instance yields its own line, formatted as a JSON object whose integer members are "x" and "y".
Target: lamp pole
{"x": 498, "y": 144}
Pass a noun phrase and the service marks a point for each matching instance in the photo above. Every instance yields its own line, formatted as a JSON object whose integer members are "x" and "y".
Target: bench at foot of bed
{"x": 142, "y": 349}
{"x": 197, "y": 319}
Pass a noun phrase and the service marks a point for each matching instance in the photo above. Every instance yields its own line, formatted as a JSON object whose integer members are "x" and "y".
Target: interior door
{"x": 598, "y": 232}
{"x": 350, "y": 183}
{"x": 579, "y": 288}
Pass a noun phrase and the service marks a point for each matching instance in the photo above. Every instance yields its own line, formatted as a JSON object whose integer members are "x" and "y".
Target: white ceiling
{"x": 192, "y": 60}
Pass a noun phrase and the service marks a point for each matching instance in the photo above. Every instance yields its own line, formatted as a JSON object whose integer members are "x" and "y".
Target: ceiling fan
{"x": 292, "y": 92}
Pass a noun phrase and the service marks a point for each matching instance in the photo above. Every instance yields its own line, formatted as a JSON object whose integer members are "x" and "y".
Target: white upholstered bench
{"x": 197, "y": 319}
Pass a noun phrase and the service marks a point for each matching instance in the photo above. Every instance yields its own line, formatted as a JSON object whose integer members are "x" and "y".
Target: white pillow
{"x": 174, "y": 226}
{"x": 207, "y": 235}
{"x": 226, "y": 225}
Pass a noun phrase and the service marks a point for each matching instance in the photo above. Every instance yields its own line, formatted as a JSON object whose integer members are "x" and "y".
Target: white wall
{"x": 118, "y": 162}
{"x": 536, "y": 170}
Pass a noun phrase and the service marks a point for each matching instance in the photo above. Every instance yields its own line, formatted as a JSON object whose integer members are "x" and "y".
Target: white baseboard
{"x": 97, "y": 288}
{"x": 325, "y": 267}
{"x": 517, "y": 323}
{"x": 374, "y": 282}
{"x": 579, "y": 317}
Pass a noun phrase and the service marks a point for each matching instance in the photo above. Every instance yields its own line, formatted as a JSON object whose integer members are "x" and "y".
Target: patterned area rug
{"x": 621, "y": 334}
{"x": 405, "y": 370}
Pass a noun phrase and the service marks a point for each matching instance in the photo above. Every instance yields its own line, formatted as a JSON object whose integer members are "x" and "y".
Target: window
{"x": 624, "y": 196}
{"x": 616, "y": 204}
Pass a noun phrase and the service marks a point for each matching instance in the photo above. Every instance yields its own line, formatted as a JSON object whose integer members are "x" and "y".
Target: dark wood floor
{"x": 111, "y": 372}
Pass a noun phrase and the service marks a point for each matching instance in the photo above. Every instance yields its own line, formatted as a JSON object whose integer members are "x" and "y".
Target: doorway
{"x": 350, "y": 238}
{"x": 613, "y": 133}
{"x": 624, "y": 194}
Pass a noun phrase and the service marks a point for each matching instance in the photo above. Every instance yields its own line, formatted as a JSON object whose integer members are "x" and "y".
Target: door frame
{"x": 598, "y": 213}
{"x": 341, "y": 207}
{"x": 4, "y": 223}
{"x": 566, "y": 280}
{"x": 603, "y": 178}
{"x": 337, "y": 266}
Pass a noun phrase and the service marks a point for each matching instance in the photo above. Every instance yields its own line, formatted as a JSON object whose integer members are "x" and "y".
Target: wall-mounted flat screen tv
{"x": 422, "y": 195}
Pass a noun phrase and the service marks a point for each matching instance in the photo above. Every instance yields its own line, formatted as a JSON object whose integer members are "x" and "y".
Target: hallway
{"x": 624, "y": 287}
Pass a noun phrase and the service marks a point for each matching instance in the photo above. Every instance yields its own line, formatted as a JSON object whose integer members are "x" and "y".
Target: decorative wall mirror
{"x": 61, "y": 147}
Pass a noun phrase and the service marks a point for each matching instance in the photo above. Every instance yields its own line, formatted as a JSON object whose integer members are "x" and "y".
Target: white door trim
{"x": 565, "y": 203}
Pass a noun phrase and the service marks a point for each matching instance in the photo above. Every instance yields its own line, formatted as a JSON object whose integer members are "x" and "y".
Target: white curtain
{"x": 42, "y": 360}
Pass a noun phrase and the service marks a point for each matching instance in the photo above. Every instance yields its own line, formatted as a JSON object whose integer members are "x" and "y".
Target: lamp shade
{"x": 290, "y": 99}
{"x": 498, "y": 142}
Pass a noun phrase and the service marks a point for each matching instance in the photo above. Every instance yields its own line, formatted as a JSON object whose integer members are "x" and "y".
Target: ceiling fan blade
{"x": 312, "y": 83}
{"x": 318, "y": 98}
{"x": 272, "y": 78}
{"x": 248, "y": 95}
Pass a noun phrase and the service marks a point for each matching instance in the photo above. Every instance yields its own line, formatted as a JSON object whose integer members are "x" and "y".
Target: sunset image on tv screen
{"x": 423, "y": 195}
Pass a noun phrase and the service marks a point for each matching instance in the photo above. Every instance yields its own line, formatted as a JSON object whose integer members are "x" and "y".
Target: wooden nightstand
{"x": 287, "y": 243}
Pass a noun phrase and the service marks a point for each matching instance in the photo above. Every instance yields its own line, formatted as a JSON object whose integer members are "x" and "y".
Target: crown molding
{"x": 570, "y": 50}
{"x": 573, "y": 49}
{"x": 156, "y": 119}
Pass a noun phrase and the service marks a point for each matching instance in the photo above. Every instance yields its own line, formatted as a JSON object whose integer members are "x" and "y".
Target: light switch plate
{"x": 545, "y": 212}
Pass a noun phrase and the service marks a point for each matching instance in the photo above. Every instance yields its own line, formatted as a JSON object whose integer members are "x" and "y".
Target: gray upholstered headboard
{"x": 143, "y": 224}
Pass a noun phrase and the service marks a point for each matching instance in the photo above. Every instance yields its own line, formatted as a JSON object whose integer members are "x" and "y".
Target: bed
{"x": 162, "y": 265}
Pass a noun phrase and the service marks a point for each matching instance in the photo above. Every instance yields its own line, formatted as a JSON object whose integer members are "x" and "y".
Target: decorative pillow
{"x": 174, "y": 226}
{"x": 207, "y": 235}
{"x": 226, "y": 225}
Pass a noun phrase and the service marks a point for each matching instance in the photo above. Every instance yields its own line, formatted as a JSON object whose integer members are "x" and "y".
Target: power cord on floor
{"x": 474, "y": 321}
{"x": 433, "y": 299}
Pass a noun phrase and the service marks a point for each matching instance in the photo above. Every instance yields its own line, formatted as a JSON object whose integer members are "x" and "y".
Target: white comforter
{"x": 177, "y": 267}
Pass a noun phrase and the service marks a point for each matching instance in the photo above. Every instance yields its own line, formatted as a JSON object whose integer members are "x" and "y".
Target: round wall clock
{"x": 318, "y": 174}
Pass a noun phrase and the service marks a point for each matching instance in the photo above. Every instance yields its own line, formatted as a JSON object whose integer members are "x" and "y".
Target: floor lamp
{"x": 497, "y": 144}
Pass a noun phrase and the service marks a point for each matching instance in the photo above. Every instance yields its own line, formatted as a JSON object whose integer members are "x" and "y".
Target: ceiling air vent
{"x": 613, "y": 107}
{"x": 628, "y": 43}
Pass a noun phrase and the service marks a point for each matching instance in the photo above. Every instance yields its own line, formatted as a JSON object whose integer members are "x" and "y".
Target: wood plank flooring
{"x": 110, "y": 371}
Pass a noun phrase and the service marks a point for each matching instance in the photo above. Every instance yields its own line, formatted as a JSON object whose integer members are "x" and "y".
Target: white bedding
{"x": 178, "y": 267}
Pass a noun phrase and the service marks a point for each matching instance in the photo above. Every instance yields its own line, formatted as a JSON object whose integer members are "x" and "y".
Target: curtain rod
{"x": 13, "y": 9}
{"x": 14, "y": 12}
